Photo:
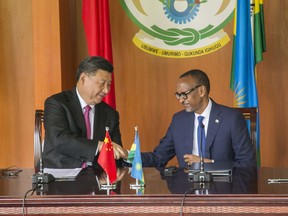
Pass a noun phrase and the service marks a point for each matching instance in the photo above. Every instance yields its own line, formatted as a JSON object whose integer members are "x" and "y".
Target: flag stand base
{"x": 107, "y": 187}
{"x": 136, "y": 186}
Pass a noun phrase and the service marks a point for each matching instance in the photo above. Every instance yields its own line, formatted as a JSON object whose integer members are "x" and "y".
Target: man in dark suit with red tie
{"x": 68, "y": 144}
{"x": 226, "y": 132}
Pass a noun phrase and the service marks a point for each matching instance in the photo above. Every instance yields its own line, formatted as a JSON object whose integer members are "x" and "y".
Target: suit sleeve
{"x": 114, "y": 127}
{"x": 162, "y": 153}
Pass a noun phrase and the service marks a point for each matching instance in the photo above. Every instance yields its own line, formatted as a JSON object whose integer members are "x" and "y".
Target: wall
{"x": 37, "y": 60}
{"x": 16, "y": 83}
{"x": 273, "y": 89}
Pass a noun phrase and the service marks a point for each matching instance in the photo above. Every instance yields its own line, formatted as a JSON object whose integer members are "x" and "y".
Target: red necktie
{"x": 88, "y": 127}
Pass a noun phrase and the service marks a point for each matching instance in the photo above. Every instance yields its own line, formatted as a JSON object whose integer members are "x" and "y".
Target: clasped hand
{"x": 119, "y": 152}
{"x": 190, "y": 158}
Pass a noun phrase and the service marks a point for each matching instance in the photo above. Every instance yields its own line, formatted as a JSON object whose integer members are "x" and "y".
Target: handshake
{"x": 119, "y": 152}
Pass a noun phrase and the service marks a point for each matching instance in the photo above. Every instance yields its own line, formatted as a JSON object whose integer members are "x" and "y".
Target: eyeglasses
{"x": 184, "y": 95}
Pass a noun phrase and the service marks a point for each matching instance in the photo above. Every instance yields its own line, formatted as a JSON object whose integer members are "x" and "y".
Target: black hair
{"x": 93, "y": 63}
{"x": 200, "y": 76}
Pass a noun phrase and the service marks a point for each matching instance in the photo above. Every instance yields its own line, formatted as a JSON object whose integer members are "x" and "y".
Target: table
{"x": 246, "y": 193}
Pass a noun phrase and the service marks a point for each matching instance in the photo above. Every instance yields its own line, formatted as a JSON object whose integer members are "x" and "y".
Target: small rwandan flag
{"x": 135, "y": 157}
{"x": 131, "y": 154}
{"x": 245, "y": 55}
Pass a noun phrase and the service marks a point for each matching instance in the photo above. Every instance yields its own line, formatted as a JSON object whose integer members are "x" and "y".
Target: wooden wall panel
{"x": 46, "y": 47}
{"x": 82, "y": 48}
{"x": 16, "y": 83}
{"x": 68, "y": 43}
{"x": 38, "y": 51}
{"x": 273, "y": 88}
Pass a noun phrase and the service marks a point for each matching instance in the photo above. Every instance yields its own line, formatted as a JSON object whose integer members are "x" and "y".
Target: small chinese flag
{"x": 106, "y": 158}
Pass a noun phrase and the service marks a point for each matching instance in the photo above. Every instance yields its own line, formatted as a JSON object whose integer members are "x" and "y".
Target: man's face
{"x": 94, "y": 87}
{"x": 188, "y": 87}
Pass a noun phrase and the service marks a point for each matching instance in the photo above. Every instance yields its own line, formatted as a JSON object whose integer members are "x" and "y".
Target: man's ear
{"x": 203, "y": 90}
{"x": 82, "y": 78}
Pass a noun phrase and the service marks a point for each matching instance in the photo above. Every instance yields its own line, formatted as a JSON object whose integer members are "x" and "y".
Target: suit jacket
{"x": 66, "y": 145}
{"x": 227, "y": 139}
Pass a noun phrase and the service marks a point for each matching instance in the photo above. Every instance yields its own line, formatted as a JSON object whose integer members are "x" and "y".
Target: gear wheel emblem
{"x": 183, "y": 16}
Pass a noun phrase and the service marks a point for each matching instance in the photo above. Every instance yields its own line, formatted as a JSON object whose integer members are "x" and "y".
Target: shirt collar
{"x": 206, "y": 112}
{"x": 82, "y": 102}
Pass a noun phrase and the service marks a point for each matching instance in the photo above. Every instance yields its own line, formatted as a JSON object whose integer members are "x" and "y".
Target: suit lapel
{"x": 191, "y": 134}
{"x": 99, "y": 122}
{"x": 214, "y": 123}
{"x": 77, "y": 110}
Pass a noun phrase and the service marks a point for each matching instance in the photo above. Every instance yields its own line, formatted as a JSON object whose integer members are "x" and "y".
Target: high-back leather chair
{"x": 250, "y": 114}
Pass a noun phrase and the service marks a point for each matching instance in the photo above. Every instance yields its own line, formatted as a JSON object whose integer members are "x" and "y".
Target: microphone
{"x": 201, "y": 176}
{"x": 41, "y": 177}
{"x": 40, "y": 180}
{"x": 201, "y": 187}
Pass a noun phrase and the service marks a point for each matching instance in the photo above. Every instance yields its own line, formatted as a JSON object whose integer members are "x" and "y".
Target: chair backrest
{"x": 38, "y": 138}
{"x": 251, "y": 115}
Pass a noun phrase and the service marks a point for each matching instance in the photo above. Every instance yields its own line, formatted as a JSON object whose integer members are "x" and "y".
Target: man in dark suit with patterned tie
{"x": 66, "y": 143}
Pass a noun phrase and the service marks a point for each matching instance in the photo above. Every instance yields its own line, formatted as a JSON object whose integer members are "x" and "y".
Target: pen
{"x": 277, "y": 181}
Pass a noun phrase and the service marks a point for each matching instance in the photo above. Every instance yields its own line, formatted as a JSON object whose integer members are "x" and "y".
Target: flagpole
{"x": 107, "y": 180}
{"x": 252, "y": 5}
{"x": 108, "y": 186}
{"x": 136, "y": 131}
